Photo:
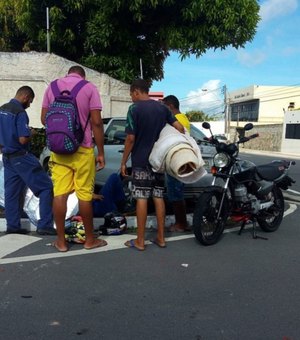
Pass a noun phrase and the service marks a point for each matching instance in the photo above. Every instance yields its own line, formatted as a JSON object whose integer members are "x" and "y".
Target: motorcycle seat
{"x": 271, "y": 171}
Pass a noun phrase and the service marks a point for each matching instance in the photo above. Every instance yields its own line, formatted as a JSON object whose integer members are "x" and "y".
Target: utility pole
{"x": 48, "y": 29}
{"x": 141, "y": 68}
{"x": 227, "y": 113}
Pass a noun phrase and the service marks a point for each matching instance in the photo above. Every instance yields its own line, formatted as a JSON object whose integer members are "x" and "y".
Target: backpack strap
{"x": 78, "y": 87}
{"x": 56, "y": 92}
{"x": 54, "y": 88}
{"x": 74, "y": 93}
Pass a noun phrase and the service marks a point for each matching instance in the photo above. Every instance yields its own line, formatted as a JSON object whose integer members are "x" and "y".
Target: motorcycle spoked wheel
{"x": 206, "y": 228}
{"x": 270, "y": 219}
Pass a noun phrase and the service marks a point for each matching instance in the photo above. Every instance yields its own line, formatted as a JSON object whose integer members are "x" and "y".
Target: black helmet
{"x": 114, "y": 224}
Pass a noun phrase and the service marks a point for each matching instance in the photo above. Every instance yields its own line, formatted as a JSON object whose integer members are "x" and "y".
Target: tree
{"x": 112, "y": 36}
{"x": 198, "y": 116}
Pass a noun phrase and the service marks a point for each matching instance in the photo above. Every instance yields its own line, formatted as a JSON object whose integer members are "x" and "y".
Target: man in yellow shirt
{"x": 175, "y": 188}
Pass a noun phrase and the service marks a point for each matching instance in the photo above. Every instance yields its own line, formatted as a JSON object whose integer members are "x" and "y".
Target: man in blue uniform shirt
{"x": 21, "y": 168}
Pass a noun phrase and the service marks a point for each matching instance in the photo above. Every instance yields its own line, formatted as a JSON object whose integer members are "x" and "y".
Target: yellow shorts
{"x": 75, "y": 172}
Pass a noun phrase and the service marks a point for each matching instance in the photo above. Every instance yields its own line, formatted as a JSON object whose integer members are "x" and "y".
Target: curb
{"x": 291, "y": 197}
{"x": 131, "y": 220}
{"x": 270, "y": 153}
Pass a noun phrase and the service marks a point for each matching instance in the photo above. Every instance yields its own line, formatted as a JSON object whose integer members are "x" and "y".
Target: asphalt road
{"x": 240, "y": 288}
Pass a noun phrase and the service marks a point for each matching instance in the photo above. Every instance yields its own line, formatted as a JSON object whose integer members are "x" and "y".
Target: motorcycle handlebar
{"x": 246, "y": 139}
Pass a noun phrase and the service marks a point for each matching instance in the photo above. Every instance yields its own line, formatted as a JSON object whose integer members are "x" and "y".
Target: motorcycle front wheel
{"x": 207, "y": 228}
{"x": 270, "y": 219}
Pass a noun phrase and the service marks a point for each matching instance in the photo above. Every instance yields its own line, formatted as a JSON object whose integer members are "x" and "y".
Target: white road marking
{"x": 15, "y": 242}
{"x": 293, "y": 191}
{"x": 12, "y": 242}
{"x": 290, "y": 210}
{"x": 114, "y": 243}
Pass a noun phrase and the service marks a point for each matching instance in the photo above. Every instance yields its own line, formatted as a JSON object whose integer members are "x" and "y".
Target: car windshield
{"x": 196, "y": 133}
{"x": 115, "y": 133}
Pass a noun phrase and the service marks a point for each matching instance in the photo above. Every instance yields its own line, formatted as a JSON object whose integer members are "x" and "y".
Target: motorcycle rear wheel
{"x": 206, "y": 227}
{"x": 270, "y": 219}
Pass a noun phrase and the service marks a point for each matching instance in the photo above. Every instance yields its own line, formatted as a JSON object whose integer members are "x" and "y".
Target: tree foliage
{"x": 198, "y": 116}
{"x": 113, "y": 36}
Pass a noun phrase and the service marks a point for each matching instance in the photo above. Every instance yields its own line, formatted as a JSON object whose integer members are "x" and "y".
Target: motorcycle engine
{"x": 240, "y": 193}
{"x": 249, "y": 201}
{"x": 246, "y": 200}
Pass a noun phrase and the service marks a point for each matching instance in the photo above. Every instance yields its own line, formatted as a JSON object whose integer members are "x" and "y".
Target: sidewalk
{"x": 270, "y": 153}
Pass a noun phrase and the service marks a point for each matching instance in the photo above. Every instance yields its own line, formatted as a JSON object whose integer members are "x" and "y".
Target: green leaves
{"x": 112, "y": 36}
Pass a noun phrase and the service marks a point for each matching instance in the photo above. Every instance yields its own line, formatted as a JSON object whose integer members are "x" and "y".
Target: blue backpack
{"x": 64, "y": 133}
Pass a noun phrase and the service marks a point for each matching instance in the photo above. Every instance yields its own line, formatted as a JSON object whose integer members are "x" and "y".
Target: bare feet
{"x": 160, "y": 244}
{"x": 60, "y": 246}
{"x": 96, "y": 243}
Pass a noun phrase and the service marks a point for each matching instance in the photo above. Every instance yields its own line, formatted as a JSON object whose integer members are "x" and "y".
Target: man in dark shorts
{"x": 145, "y": 120}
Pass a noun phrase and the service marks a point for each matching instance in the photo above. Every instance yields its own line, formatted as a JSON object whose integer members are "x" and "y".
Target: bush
{"x": 38, "y": 141}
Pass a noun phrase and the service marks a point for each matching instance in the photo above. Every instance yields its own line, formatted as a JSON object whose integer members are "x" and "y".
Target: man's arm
{"x": 129, "y": 143}
{"x": 98, "y": 132}
{"x": 43, "y": 115}
{"x": 178, "y": 126}
{"x": 24, "y": 140}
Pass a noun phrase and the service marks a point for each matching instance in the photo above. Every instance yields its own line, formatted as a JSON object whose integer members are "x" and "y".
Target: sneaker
{"x": 22, "y": 231}
{"x": 46, "y": 231}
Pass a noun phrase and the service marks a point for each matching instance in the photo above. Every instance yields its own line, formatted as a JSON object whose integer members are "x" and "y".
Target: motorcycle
{"x": 241, "y": 192}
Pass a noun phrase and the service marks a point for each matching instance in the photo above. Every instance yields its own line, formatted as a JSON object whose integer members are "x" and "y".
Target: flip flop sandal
{"x": 155, "y": 241}
{"x": 131, "y": 244}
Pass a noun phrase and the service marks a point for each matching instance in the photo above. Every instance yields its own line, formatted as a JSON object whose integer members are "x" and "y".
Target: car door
{"x": 114, "y": 138}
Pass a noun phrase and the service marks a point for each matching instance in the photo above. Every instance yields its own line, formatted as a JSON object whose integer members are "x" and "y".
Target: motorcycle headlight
{"x": 221, "y": 160}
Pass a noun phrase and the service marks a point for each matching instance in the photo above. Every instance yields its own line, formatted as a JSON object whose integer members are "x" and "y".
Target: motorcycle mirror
{"x": 248, "y": 126}
{"x": 206, "y": 125}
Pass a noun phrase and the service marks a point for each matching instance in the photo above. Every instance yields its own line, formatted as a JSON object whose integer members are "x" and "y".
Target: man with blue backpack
{"x": 21, "y": 168}
{"x": 72, "y": 162}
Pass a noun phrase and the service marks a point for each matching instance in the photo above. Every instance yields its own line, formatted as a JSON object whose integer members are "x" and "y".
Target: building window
{"x": 292, "y": 131}
{"x": 246, "y": 111}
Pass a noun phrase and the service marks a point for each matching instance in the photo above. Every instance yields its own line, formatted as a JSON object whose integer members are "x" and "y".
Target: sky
{"x": 271, "y": 58}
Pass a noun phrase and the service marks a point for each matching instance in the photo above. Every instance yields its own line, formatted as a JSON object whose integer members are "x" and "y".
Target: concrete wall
{"x": 217, "y": 127}
{"x": 39, "y": 69}
{"x": 270, "y": 137}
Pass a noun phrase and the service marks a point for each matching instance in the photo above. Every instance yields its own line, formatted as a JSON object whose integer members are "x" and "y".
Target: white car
{"x": 114, "y": 137}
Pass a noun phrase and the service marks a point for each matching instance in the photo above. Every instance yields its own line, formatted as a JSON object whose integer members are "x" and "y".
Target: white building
{"x": 291, "y": 132}
{"x": 262, "y": 104}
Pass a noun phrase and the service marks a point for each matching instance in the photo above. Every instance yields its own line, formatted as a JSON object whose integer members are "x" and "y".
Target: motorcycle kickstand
{"x": 242, "y": 227}
{"x": 254, "y": 233}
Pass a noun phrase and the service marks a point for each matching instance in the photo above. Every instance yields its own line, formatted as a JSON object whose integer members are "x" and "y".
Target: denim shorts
{"x": 175, "y": 189}
{"x": 146, "y": 183}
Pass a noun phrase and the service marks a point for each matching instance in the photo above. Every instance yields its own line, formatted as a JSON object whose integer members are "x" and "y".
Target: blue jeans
{"x": 175, "y": 189}
{"x": 113, "y": 193}
{"x": 21, "y": 172}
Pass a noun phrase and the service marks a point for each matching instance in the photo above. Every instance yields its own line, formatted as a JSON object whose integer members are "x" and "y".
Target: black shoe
{"x": 46, "y": 231}
{"x": 18, "y": 231}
